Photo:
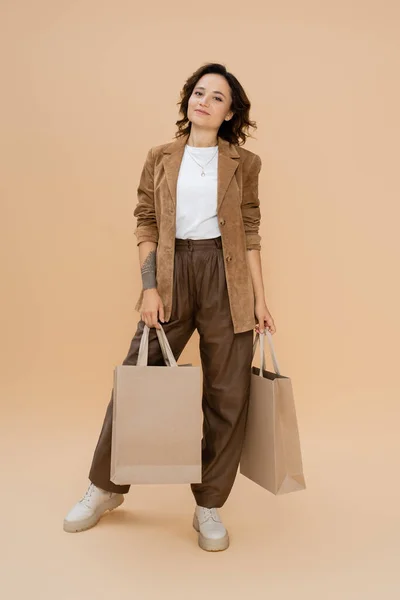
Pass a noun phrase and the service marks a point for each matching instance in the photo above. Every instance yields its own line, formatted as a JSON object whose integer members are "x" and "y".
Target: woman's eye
{"x": 217, "y": 97}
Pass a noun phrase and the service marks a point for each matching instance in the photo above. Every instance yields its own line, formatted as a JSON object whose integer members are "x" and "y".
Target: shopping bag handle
{"x": 167, "y": 353}
{"x": 260, "y": 338}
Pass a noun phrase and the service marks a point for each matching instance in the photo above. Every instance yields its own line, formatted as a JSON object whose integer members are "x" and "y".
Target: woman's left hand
{"x": 264, "y": 318}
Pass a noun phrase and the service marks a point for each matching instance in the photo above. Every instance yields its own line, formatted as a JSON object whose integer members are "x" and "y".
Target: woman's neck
{"x": 202, "y": 139}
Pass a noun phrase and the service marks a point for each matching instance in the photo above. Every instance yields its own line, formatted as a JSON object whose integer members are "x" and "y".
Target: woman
{"x": 198, "y": 217}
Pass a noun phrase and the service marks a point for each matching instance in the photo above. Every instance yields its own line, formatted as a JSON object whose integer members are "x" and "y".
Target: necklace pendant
{"x": 202, "y": 174}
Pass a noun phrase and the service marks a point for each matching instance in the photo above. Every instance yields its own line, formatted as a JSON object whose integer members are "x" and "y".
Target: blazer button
{"x": 229, "y": 258}
{"x": 222, "y": 221}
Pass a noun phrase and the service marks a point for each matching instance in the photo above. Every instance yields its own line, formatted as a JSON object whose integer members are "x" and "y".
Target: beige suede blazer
{"x": 238, "y": 210}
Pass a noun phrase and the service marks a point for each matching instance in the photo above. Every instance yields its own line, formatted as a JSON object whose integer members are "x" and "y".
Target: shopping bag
{"x": 157, "y": 420}
{"x": 271, "y": 453}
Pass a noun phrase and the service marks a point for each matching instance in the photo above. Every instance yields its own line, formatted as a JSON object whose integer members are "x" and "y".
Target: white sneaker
{"x": 212, "y": 534}
{"x": 87, "y": 512}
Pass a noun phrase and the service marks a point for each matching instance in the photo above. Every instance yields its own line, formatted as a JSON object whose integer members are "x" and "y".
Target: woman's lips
{"x": 202, "y": 112}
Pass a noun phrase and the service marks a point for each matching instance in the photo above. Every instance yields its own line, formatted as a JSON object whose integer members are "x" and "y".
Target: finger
{"x": 154, "y": 319}
{"x": 161, "y": 313}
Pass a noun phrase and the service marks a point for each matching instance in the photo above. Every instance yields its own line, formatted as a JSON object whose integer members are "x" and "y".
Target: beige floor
{"x": 337, "y": 539}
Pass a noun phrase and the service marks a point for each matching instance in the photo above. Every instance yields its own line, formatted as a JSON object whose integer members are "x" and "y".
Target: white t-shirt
{"x": 196, "y": 196}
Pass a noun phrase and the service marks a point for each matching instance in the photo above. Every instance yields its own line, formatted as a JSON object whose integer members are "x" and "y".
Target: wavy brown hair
{"x": 235, "y": 130}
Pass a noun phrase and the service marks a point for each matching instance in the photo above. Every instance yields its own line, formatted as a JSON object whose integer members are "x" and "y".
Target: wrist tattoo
{"x": 148, "y": 270}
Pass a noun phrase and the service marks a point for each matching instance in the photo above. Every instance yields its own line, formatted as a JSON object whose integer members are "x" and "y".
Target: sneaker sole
{"x": 76, "y": 526}
{"x": 208, "y": 544}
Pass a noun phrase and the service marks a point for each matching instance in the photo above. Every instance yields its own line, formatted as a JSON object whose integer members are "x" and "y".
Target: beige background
{"x": 87, "y": 88}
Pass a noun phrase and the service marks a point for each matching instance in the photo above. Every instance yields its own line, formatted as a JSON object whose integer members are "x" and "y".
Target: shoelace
{"x": 88, "y": 493}
{"x": 210, "y": 512}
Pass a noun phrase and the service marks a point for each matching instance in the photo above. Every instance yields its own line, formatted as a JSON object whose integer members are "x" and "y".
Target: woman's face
{"x": 212, "y": 95}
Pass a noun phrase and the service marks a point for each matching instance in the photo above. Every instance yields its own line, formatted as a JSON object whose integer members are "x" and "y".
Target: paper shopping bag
{"x": 271, "y": 453}
{"x": 157, "y": 420}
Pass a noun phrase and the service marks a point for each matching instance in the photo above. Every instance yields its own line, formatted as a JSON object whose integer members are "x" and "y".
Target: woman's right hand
{"x": 152, "y": 308}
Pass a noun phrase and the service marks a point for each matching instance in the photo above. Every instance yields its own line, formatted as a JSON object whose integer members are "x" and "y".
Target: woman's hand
{"x": 152, "y": 308}
{"x": 264, "y": 318}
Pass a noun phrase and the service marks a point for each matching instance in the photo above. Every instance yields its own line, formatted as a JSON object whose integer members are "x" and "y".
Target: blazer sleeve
{"x": 146, "y": 224}
{"x": 251, "y": 214}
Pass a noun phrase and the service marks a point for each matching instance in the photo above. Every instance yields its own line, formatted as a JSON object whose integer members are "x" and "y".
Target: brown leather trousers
{"x": 200, "y": 301}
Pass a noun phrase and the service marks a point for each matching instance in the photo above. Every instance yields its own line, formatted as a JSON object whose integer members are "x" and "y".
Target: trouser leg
{"x": 178, "y": 330}
{"x": 226, "y": 360}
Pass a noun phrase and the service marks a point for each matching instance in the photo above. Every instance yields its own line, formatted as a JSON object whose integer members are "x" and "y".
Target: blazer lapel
{"x": 228, "y": 161}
